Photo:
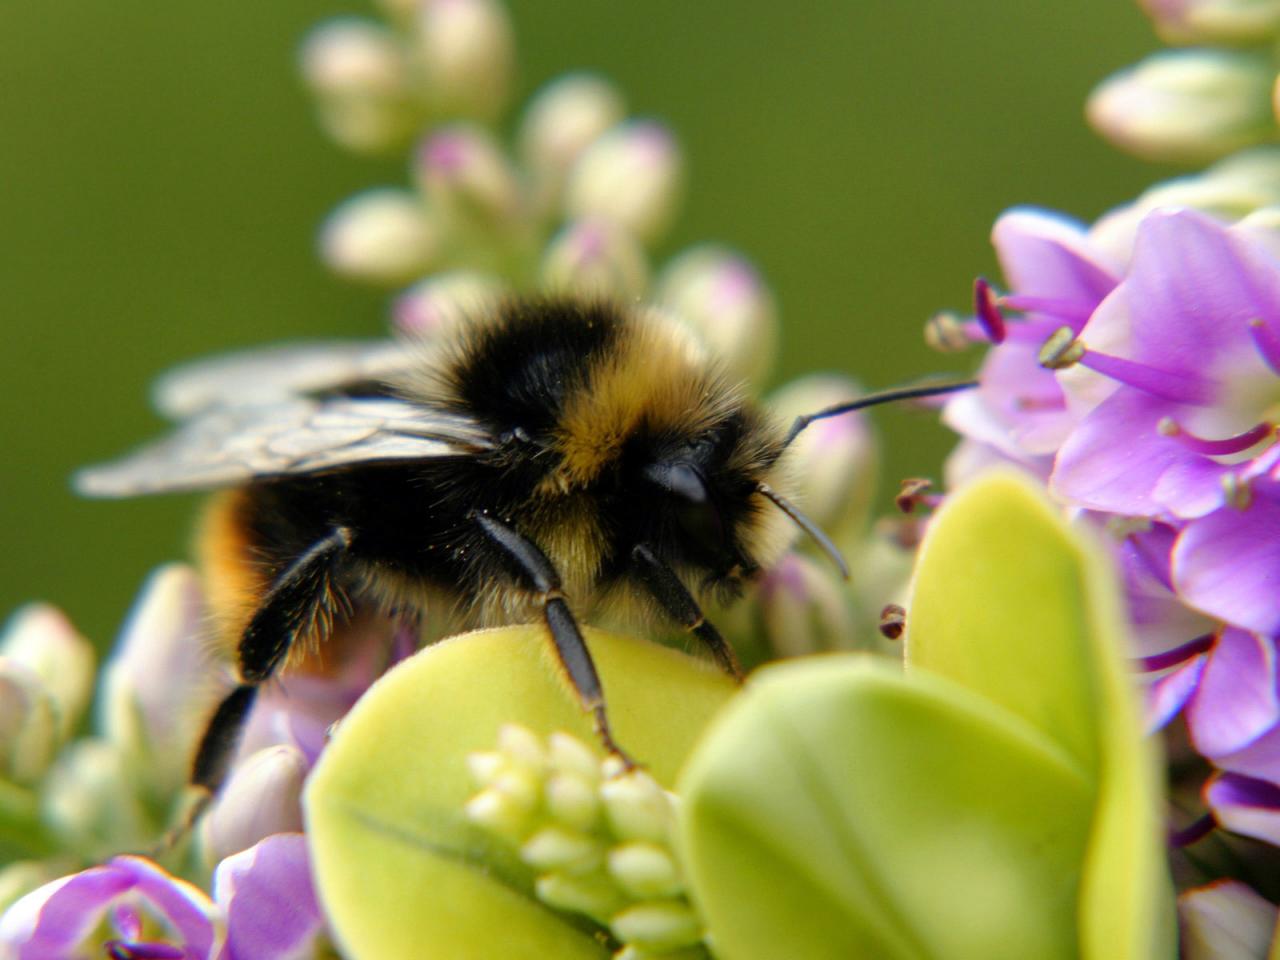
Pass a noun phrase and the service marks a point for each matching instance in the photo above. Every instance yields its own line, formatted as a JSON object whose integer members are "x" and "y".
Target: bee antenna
{"x": 908, "y": 392}
{"x": 808, "y": 526}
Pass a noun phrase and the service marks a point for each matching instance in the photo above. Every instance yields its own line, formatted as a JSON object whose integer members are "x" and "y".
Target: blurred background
{"x": 161, "y": 181}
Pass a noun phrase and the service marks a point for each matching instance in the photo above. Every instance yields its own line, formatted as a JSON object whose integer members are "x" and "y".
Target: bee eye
{"x": 695, "y": 510}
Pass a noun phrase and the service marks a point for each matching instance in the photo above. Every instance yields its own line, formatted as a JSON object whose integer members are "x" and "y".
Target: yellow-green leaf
{"x": 1021, "y": 608}
{"x": 399, "y": 870}
{"x": 838, "y": 809}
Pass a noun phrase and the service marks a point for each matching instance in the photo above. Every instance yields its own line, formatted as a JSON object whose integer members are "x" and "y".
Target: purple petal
{"x": 1228, "y": 565}
{"x": 1245, "y": 805}
{"x": 1116, "y": 455}
{"x": 1194, "y": 287}
{"x": 183, "y": 906}
{"x": 1170, "y": 693}
{"x": 270, "y": 900}
{"x": 1046, "y": 254}
{"x": 52, "y": 920}
{"x": 1192, "y": 487}
{"x": 1018, "y": 407}
{"x": 1235, "y": 704}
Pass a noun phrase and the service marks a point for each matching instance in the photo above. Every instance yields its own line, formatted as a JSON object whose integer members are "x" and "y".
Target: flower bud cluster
{"x": 598, "y": 837}
{"x": 572, "y": 204}
{"x": 1216, "y": 95}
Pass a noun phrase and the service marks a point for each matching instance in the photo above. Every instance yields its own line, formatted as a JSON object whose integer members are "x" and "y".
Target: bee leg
{"x": 301, "y": 599}
{"x": 531, "y": 568}
{"x": 678, "y": 603}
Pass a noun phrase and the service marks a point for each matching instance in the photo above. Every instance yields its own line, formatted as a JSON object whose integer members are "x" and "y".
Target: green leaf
{"x": 839, "y": 809}
{"x": 399, "y": 870}
{"x": 996, "y": 800}
{"x": 1011, "y": 602}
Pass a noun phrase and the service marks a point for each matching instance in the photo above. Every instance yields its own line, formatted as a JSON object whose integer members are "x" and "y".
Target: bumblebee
{"x": 560, "y": 455}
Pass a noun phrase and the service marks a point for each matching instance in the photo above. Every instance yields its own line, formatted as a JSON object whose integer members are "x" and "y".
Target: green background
{"x": 161, "y": 181}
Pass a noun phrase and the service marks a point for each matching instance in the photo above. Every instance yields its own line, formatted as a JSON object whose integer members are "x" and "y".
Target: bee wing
{"x": 270, "y": 374}
{"x": 302, "y": 435}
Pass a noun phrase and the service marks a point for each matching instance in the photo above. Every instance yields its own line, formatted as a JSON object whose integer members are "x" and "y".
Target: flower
{"x": 1056, "y": 278}
{"x": 269, "y": 900}
{"x": 1184, "y": 358}
{"x": 129, "y": 906}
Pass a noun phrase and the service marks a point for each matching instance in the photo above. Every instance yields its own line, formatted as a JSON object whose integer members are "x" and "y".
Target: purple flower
{"x": 1055, "y": 279}
{"x": 126, "y": 908}
{"x": 1227, "y": 683}
{"x": 1186, "y": 352}
{"x": 270, "y": 902}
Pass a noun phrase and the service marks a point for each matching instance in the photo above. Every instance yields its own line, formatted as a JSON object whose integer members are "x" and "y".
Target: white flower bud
{"x": 160, "y": 685}
{"x": 382, "y": 236}
{"x": 645, "y": 871}
{"x": 1263, "y": 225}
{"x": 495, "y": 811}
{"x": 1186, "y": 105}
{"x": 349, "y": 56}
{"x": 804, "y": 608}
{"x": 661, "y": 925}
{"x": 28, "y": 723}
{"x": 721, "y": 296}
{"x": 467, "y": 53}
{"x": 1230, "y": 189}
{"x": 467, "y": 178}
{"x": 567, "y": 851}
{"x": 568, "y": 754}
{"x": 572, "y": 800}
{"x": 1214, "y": 21}
{"x": 637, "y": 807}
{"x": 631, "y": 176}
{"x": 835, "y": 461}
{"x": 262, "y": 796}
{"x": 523, "y": 788}
{"x": 595, "y": 258}
{"x": 43, "y": 640}
{"x": 438, "y": 302}
{"x": 1224, "y": 920}
{"x": 593, "y": 894}
{"x": 561, "y": 121}
{"x": 485, "y": 766}
{"x": 359, "y": 73}
{"x": 634, "y": 952}
{"x": 522, "y": 747}
{"x": 92, "y": 799}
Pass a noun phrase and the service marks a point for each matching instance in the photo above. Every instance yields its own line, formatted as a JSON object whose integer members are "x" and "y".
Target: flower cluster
{"x": 1144, "y": 394}
{"x": 70, "y": 802}
{"x": 600, "y": 839}
{"x": 1134, "y": 368}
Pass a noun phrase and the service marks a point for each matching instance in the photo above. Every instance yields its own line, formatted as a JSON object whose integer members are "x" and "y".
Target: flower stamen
{"x": 1063, "y": 350}
{"x": 1179, "y": 654}
{"x": 987, "y": 309}
{"x": 1196, "y": 830}
{"x": 1227, "y": 446}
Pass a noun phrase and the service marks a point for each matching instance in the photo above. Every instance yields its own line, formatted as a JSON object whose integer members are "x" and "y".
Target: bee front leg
{"x": 677, "y": 602}
{"x": 302, "y": 600}
{"x": 534, "y": 571}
